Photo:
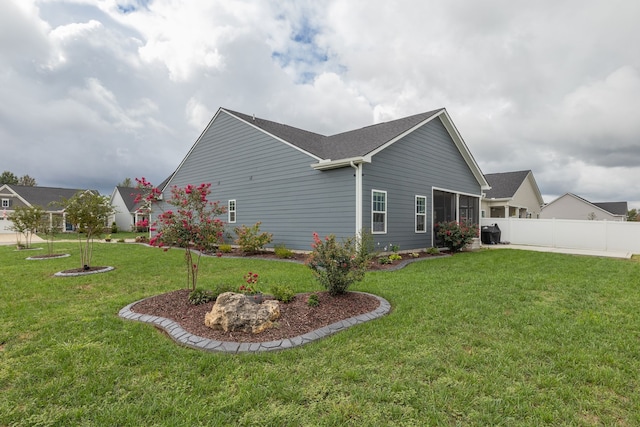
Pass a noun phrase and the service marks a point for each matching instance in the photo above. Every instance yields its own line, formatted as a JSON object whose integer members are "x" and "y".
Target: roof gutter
{"x": 341, "y": 163}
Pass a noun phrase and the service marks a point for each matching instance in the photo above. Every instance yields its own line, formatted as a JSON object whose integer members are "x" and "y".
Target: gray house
{"x": 395, "y": 179}
{"x": 12, "y": 196}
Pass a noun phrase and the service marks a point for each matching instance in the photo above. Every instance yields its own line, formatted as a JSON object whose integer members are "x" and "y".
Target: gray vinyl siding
{"x": 271, "y": 182}
{"x": 414, "y": 165}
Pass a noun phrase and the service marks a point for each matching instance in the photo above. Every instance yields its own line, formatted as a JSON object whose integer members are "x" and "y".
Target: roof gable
{"x": 612, "y": 208}
{"x": 365, "y": 141}
{"x": 128, "y": 195}
{"x": 504, "y": 185}
{"x": 357, "y": 145}
{"x": 309, "y": 142}
{"x": 42, "y": 196}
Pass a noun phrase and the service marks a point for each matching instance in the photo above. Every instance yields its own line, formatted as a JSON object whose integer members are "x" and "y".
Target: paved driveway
{"x": 10, "y": 239}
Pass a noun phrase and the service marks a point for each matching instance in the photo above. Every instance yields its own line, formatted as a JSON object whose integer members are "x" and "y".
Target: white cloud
{"x": 133, "y": 83}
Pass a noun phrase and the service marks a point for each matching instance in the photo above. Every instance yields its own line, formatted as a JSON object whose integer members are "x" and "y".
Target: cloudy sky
{"x": 95, "y": 91}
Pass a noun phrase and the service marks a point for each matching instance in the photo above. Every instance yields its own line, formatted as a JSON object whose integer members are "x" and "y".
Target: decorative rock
{"x": 234, "y": 312}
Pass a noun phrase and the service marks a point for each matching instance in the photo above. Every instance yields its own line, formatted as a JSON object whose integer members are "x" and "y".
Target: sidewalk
{"x": 10, "y": 239}
{"x": 606, "y": 254}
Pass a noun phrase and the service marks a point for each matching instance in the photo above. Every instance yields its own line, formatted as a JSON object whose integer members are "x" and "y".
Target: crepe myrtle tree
{"x": 193, "y": 224}
{"x": 88, "y": 212}
{"x": 26, "y": 220}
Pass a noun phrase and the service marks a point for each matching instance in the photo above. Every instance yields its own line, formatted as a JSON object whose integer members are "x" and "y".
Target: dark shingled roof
{"x": 504, "y": 185}
{"x": 615, "y": 208}
{"x": 359, "y": 142}
{"x": 43, "y": 196}
{"x": 128, "y": 194}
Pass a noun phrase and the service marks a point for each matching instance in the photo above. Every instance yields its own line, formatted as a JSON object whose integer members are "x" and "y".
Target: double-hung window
{"x": 5, "y": 203}
{"x": 378, "y": 212}
{"x": 421, "y": 214}
{"x": 231, "y": 210}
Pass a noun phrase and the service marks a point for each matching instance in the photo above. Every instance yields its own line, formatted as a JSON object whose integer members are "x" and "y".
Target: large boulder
{"x": 235, "y": 312}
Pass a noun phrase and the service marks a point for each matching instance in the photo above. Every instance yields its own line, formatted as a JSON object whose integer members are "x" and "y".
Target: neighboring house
{"x": 570, "y": 206}
{"x": 395, "y": 179}
{"x": 12, "y": 196}
{"x": 512, "y": 195}
{"x": 128, "y": 213}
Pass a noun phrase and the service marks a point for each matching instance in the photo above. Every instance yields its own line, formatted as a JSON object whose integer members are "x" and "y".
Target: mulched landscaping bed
{"x": 296, "y": 318}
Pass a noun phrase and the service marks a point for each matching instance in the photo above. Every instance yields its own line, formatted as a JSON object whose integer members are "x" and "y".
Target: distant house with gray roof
{"x": 512, "y": 195}
{"x": 396, "y": 179}
{"x": 127, "y": 213}
{"x": 12, "y": 196}
{"x": 570, "y": 206}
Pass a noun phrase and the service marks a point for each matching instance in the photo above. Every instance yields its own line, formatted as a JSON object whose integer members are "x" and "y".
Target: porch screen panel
{"x": 444, "y": 206}
{"x": 468, "y": 209}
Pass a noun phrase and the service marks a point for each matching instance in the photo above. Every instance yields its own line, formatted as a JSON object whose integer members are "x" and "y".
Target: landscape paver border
{"x": 182, "y": 337}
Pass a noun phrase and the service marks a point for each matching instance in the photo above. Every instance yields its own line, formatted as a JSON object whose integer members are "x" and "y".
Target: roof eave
{"x": 340, "y": 163}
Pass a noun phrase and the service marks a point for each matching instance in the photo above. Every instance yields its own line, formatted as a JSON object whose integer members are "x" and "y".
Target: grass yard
{"x": 500, "y": 337}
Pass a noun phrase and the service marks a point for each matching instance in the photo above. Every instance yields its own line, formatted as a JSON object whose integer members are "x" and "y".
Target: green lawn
{"x": 499, "y": 337}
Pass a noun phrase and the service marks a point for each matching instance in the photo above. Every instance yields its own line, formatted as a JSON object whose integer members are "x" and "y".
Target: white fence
{"x": 569, "y": 234}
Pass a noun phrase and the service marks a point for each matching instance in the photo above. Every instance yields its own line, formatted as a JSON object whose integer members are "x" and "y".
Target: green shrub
{"x": 336, "y": 265}
{"x": 367, "y": 248}
{"x": 282, "y": 293}
{"x": 433, "y": 251}
{"x": 225, "y": 248}
{"x": 282, "y": 252}
{"x": 250, "y": 239}
{"x": 395, "y": 257}
{"x": 200, "y": 296}
{"x": 384, "y": 260}
{"x": 456, "y": 236}
{"x": 313, "y": 300}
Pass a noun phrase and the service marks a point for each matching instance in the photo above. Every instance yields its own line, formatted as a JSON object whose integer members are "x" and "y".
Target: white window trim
{"x": 386, "y": 203}
{"x": 422, "y": 214}
{"x": 6, "y": 203}
{"x": 234, "y": 210}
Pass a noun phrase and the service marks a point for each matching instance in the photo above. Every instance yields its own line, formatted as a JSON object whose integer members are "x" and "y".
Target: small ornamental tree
{"x": 26, "y": 220}
{"x": 192, "y": 225}
{"x": 456, "y": 236}
{"x": 337, "y": 265}
{"x": 49, "y": 226}
{"x": 89, "y": 213}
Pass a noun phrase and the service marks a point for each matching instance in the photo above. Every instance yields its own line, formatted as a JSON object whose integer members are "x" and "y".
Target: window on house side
{"x": 378, "y": 212}
{"x": 5, "y": 203}
{"x": 421, "y": 214}
{"x": 232, "y": 211}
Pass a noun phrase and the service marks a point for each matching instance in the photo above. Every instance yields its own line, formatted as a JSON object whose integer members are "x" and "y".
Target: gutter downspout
{"x": 358, "y": 175}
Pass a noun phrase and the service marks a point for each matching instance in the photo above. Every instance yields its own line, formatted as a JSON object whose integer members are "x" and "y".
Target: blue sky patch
{"x": 133, "y": 6}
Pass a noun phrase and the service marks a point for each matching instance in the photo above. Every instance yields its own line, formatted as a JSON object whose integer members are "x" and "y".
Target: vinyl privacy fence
{"x": 569, "y": 234}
